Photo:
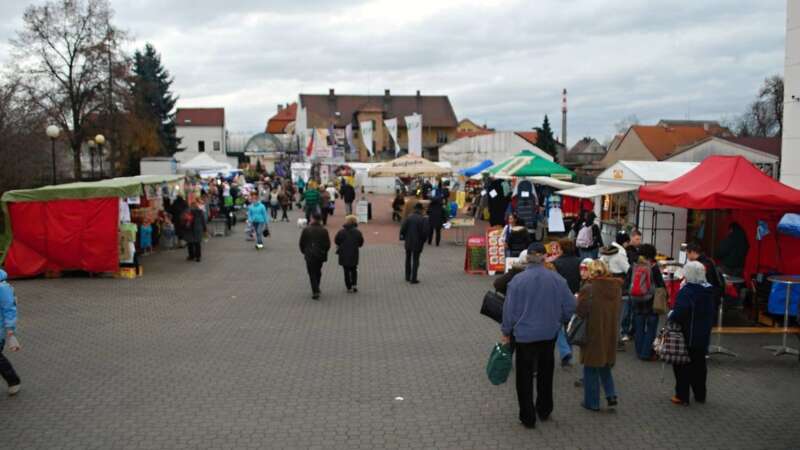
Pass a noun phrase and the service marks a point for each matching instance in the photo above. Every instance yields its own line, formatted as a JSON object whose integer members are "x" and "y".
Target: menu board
{"x": 495, "y": 251}
{"x": 475, "y": 257}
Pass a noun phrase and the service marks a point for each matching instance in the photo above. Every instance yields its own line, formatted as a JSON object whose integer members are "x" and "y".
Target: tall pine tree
{"x": 151, "y": 86}
{"x": 545, "y": 139}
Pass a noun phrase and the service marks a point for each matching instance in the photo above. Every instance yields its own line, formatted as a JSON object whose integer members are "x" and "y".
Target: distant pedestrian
{"x": 588, "y": 240}
{"x": 348, "y": 240}
{"x": 640, "y": 284}
{"x": 348, "y": 196}
{"x": 538, "y": 303}
{"x": 8, "y": 320}
{"x": 274, "y": 203}
{"x": 414, "y": 231}
{"x": 435, "y": 215}
{"x": 285, "y": 202}
{"x": 194, "y": 221}
{"x": 599, "y": 304}
{"x": 311, "y": 198}
{"x": 258, "y": 218}
{"x": 397, "y": 206}
{"x": 694, "y": 311}
{"x": 314, "y": 245}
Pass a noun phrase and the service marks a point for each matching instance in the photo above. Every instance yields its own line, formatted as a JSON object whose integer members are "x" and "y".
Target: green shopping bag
{"x": 499, "y": 365}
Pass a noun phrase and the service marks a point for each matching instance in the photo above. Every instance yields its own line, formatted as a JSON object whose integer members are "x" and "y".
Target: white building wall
{"x": 720, "y": 147}
{"x": 470, "y": 151}
{"x": 191, "y": 138}
{"x": 790, "y": 164}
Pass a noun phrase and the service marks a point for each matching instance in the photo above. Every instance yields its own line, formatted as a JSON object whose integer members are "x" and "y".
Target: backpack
{"x": 642, "y": 281}
{"x": 585, "y": 237}
{"x": 187, "y": 219}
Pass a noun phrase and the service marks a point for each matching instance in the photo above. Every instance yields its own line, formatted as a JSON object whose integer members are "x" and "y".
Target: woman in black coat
{"x": 436, "y": 216}
{"x": 348, "y": 240}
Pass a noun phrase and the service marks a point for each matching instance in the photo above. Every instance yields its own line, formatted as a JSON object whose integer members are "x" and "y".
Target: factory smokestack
{"x": 564, "y": 117}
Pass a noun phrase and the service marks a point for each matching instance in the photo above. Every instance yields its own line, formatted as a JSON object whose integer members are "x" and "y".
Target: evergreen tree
{"x": 545, "y": 139}
{"x": 151, "y": 86}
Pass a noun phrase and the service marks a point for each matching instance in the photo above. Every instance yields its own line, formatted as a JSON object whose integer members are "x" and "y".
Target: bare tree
{"x": 626, "y": 122}
{"x": 764, "y": 116}
{"x": 65, "y": 55}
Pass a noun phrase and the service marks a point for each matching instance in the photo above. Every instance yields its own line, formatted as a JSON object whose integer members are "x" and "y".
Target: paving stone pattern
{"x": 233, "y": 353}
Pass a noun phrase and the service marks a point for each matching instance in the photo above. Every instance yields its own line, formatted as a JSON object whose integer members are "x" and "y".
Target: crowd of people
{"x": 614, "y": 291}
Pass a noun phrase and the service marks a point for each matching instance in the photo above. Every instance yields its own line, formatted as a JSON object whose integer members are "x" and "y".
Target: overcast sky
{"x": 501, "y": 62}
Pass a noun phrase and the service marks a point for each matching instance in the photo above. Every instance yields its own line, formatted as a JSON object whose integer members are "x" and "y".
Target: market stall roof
{"x": 725, "y": 182}
{"x": 203, "y": 162}
{"x": 470, "y": 171}
{"x": 597, "y": 190}
{"x": 408, "y": 166}
{"x": 554, "y": 182}
{"x": 528, "y": 164}
{"x": 644, "y": 172}
{"x": 114, "y": 187}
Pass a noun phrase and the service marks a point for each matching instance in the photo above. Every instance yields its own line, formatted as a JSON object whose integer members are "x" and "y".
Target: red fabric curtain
{"x": 775, "y": 252}
{"x": 63, "y": 235}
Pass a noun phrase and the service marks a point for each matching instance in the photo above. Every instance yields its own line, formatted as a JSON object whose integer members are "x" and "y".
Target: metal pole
{"x": 91, "y": 159}
{"x": 53, "y": 154}
{"x": 100, "y": 158}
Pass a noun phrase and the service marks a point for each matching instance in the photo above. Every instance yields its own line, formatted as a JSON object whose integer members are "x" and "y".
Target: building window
{"x": 216, "y": 146}
{"x": 441, "y": 137}
{"x": 201, "y": 146}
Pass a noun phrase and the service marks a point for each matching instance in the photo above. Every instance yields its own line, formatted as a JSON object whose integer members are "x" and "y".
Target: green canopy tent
{"x": 529, "y": 164}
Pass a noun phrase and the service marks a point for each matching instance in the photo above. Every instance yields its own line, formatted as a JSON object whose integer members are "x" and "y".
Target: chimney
{"x": 387, "y": 92}
{"x": 280, "y": 107}
{"x": 419, "y": 103}
{"x": 418, "y": 94}
{"x": 706, "y": 127}
{"x": 387, "y": 95}
{"x": 331, "y": 92}
{"x": 564, "y": 117}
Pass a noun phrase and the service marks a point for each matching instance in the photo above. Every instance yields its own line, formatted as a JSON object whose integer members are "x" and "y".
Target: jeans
{"x": 350, "y": 277}
{"x": 273, "y": 211}
{"x": 348, "y": 208}
{"x": 258, "y": 229}
{"x": 194, "y": 250}
{"x": 6, "y": 369}
{"x": 564, "y": 349}
{"x": 645, "y": 326}
{"x": 412, "y": 265}
{"x": 626, "y": 320}
{"x": 593, "y": 377}
{"x": 692, "y": 375}
{"x": 535, "y": 358}
{"x": 588, "y": 253}
{"x": 314, "y": 269}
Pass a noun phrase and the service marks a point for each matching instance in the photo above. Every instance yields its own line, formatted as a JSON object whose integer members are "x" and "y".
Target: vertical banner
{"x": 301, "y": 125}
{"x": 322, "y": 146}
{"x": 391, "y": 125}
{"x": 366, "y": 135}
{"x": 414, "y": 127}
{"x": 348, "y": 134}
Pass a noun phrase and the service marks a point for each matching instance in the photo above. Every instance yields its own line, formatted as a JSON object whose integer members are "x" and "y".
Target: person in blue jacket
{"x": 694, "y": 311}
{"x": 8, "y": 319}
{"x": 258, "y": 218}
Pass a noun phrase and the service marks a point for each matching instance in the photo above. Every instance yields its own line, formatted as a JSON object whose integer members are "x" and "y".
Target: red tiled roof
{"x": 530, "y": 136}
{"x": 200, "y": 117}
{"x": 436, "y": 110}
{"x": 277, "y": 123}
{"x": 663, "y": 141}
{"x": 771, "y": 145}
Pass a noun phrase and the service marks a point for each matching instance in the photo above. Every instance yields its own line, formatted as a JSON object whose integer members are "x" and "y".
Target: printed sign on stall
{"x": 475, "y": 257}
{"x": 495, "y": 251}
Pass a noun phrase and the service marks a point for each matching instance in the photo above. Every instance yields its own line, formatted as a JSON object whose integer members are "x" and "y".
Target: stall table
{"x": 461, "y": 226}
{"x": 789, "y": 281}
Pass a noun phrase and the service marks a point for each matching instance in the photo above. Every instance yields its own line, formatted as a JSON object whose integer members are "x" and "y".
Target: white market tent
{"x": 663, "y": 226}
{"x": 204, "y": 163}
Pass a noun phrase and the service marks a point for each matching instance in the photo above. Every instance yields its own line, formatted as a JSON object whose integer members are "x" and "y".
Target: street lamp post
{"x": 100, "y": 140}
{"x": 91, "y": 145}
{"x": 53, "y": 132}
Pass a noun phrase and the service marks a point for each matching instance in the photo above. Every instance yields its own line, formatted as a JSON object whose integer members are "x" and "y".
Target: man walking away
{"x": 258, "y": 218}
{"x": 537, "y": 305}
{"x": 414, "y": 231}
{"x": 314, "y": 245}
{"x": 8, "y": 320}
{"x": 348, "y": 240}
{"x": 348, "y": 195}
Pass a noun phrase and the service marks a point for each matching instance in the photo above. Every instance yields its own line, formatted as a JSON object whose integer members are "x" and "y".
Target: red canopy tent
{"x": 733, "y": 183}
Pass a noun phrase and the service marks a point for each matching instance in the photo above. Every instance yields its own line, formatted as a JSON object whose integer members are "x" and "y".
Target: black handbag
{"x": 492, "y": 306}
{"x": 265, "y": 233}
{"x": 576, "y": 331}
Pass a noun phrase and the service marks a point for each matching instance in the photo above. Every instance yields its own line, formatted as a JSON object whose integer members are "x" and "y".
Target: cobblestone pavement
{"x": 233, "y": 353}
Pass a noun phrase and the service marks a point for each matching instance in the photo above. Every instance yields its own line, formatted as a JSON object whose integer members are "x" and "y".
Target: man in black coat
{"x": 314, "y": 245}
{"x": 348, "y": 240}
{"x": 348, "y": 194}
{"x": 414, "y": 231}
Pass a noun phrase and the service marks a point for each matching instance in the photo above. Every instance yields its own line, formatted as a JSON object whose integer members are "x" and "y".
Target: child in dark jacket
{"x": 348, "y": 240}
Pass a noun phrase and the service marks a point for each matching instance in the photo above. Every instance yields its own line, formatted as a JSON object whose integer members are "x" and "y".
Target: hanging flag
{"x": 366, "y": 135}
{"x": 348, "y": 135}
{"x": 391, "y": 125}
{"x": 310, "y": 147}
{"x": 414, "y": 127}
